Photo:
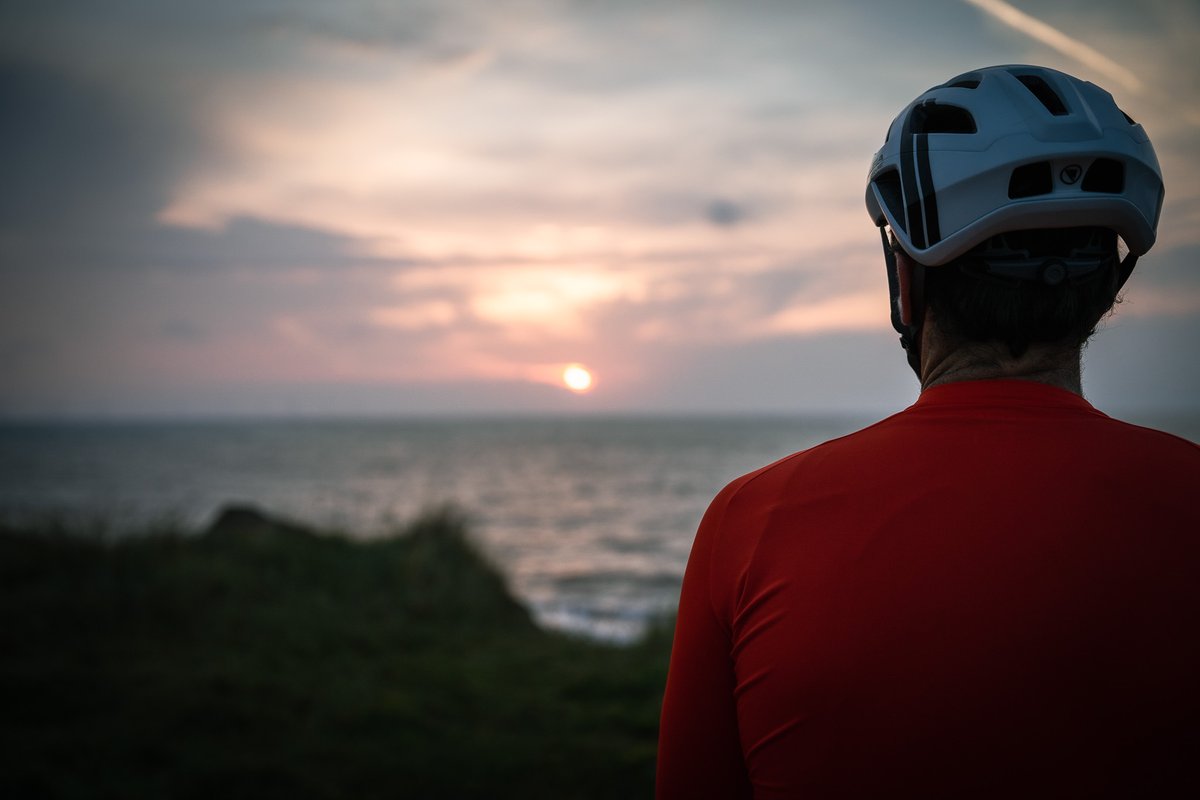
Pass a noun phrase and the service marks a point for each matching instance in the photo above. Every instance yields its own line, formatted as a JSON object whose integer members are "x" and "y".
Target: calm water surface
{"x": 591, "y": 519}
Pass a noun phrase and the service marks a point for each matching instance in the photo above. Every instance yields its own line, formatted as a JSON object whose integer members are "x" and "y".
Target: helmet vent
{"x": 942, "y": 118}
{"x": 1031, "y": 180}
{"x": 1045, "y": 95}
{"x": 1105, "y": 175}
{"x": 964, "y": 83}
{"x": 1128, "y": 118}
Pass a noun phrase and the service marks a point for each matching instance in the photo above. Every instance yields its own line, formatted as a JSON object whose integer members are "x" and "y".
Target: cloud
{"x": 724, "y": 213}
{"x": 1171, "y": 267}
{"x": 415, "y": 316}
{"x": 303, "y": 194}
{"x": 1141, "y": 363}
{"x": 245, "y": 243}
{"x": 183, "y": 330}
{"x": 1051, "y": 36}
{"x": 847, "y": 372}
{"x": 1164, "y": 284}
{"x": 78, "y": 155}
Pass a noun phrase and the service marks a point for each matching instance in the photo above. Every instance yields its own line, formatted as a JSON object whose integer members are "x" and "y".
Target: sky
{"x": 258, "y": 207}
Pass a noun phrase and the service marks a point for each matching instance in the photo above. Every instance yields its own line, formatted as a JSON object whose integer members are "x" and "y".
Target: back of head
{"x": 1024, "y": 288}
{"x": 1009, "y": 188}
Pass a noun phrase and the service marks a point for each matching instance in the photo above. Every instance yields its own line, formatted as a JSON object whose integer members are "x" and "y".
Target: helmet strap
{"x": 910, "y": 332}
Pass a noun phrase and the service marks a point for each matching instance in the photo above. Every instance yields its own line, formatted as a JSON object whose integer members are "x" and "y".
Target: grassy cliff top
{"x": 264, "y": 659}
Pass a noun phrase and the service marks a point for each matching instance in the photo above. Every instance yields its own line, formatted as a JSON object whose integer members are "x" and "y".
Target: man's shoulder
{"x": 1155, "y": 437}
{"x": 819, "y": 459}
{"x": 1131, "y": 439}
{"x": 885, "y": 448}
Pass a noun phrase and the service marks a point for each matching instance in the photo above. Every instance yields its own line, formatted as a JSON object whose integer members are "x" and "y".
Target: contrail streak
{"x": 1036, "y": 29}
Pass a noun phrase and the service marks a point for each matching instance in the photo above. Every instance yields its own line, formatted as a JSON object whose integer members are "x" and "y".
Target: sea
{"x": 590, "y": 519}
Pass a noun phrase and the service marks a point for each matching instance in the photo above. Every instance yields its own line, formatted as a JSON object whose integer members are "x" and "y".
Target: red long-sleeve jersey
{"x": 995, "y": 592}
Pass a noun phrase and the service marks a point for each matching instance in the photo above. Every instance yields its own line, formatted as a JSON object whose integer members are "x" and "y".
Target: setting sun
{"x": 576, "y": 378}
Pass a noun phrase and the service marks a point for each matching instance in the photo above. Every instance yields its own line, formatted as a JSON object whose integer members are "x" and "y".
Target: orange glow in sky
{"x": 430, "y": 205}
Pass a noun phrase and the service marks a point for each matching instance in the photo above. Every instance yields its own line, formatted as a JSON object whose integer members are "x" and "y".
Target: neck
{"x": 944, "y": 363}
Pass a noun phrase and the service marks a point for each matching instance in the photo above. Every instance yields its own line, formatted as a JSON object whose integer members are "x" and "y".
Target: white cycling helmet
{"x": 1013, "y": 148}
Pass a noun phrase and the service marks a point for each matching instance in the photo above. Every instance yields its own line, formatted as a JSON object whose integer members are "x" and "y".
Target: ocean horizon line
{"x": 1181, "y": 420}
{"x": 121, "y": 419}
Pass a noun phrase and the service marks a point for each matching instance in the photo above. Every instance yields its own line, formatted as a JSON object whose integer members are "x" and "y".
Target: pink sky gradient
{"x": 424, "y": 207}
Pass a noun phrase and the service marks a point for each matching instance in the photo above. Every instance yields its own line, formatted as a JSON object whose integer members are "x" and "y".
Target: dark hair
{"x": 976, "y": 304}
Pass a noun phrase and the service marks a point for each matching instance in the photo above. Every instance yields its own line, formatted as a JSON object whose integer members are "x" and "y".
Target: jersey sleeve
{"x": 699, "y": 751}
